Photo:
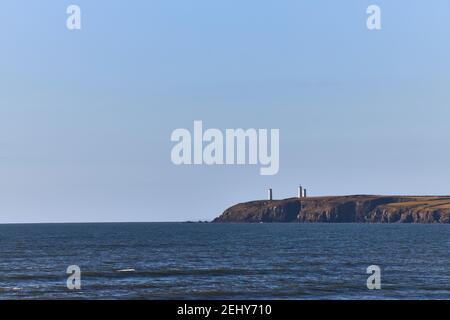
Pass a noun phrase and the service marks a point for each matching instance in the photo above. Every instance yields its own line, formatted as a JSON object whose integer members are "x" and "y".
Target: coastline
{"x": 342, "y": 209}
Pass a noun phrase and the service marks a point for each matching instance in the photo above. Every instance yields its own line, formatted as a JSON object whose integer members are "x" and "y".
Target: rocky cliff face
{"x": 361, "y": 209}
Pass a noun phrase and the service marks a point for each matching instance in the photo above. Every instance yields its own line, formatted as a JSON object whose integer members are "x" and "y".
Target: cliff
{"x": 357, "y": 208}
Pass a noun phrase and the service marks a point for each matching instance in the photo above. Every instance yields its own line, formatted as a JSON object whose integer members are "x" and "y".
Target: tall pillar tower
{"x": 300, "y": 192}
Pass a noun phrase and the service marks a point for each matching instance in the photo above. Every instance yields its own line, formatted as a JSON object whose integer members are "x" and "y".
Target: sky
{"x": 86, "y": 115}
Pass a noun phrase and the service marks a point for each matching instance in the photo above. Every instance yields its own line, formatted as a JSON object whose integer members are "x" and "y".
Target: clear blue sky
{"x": 86, "y": 116}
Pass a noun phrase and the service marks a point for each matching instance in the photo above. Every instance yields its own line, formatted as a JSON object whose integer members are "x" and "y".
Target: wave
{"x": 184, "y": 272}
{"x": 126, "y": 270}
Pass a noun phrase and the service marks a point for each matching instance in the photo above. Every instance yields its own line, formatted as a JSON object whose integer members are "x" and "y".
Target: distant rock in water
{"x": 357, "y": 208}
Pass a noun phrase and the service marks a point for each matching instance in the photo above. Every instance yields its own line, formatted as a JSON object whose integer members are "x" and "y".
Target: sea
{"x": 225, "y": 261}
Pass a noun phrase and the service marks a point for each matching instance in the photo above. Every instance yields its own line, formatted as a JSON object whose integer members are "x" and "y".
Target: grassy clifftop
{"x": 356, "y": 208}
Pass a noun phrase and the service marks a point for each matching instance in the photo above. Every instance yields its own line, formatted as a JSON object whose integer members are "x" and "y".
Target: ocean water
{"x": 224, "y": 261}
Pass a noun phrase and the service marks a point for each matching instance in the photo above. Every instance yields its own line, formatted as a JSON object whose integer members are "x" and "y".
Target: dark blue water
{"x": 225, "y": 261}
